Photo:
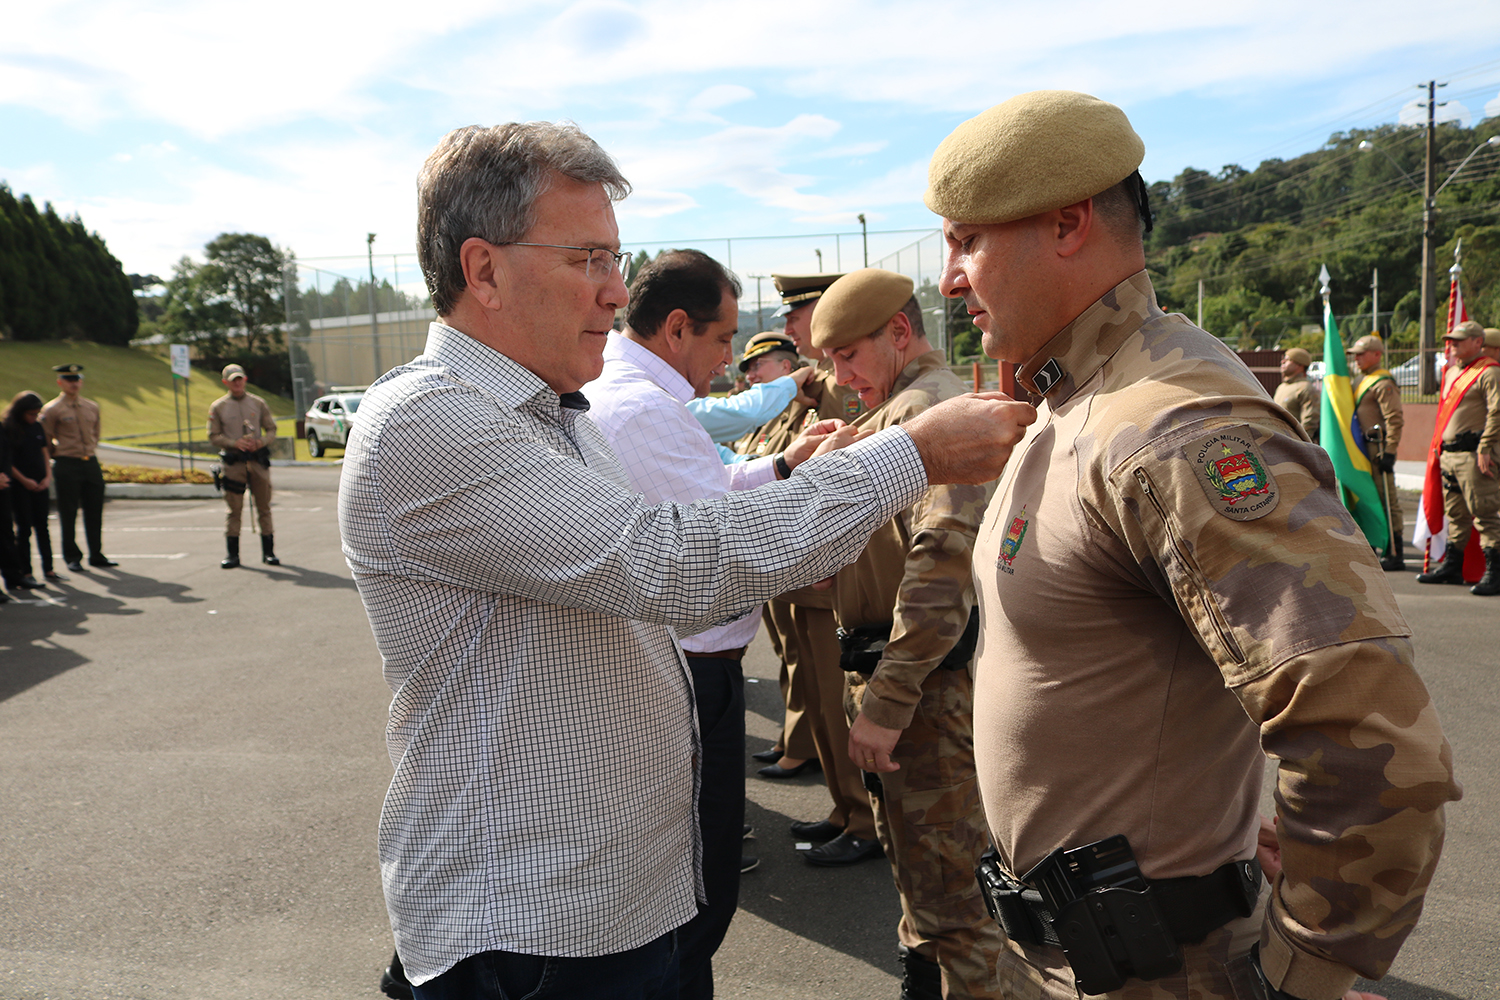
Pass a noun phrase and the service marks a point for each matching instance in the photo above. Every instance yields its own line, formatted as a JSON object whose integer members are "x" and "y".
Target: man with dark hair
{"x": 1169, "y": 584}
{"x": 526, "y": 599}
{"x": 682, "y": 317}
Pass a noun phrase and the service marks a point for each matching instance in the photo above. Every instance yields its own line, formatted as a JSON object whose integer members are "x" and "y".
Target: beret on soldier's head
{"x": 1464, "y": 331}
{"x": 1369, "y": 342}
{"x": 766, "y": 343}
{"x": 1031, "y": 154}
{"x": 857, "y": 305}
{"x": 1298, "y": 356}
{"x": 1491, "y": 336}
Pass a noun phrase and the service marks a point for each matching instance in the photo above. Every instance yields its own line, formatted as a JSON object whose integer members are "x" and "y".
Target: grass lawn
{"x": 132, "y": 387}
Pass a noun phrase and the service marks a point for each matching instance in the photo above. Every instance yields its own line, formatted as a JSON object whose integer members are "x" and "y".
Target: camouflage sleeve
{"x": 1392, "y": 417}
{"x": 932, "y": 605}
{"x": 1237, "y": 522}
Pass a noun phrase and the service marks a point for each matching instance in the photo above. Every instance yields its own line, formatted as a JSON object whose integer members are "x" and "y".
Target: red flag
{"x": 1457, "y": 311}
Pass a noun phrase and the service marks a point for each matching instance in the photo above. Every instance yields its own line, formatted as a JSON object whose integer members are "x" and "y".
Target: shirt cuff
{"x": 884, "y": 711}
{"x": 1297, "y": 973}
{"x": 894, "y": 465}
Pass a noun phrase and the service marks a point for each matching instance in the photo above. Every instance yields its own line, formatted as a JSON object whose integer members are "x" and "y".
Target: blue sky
{"x": 164, "y": 124}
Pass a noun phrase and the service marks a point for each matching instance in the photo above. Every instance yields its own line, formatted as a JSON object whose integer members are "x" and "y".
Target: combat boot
{"x": 1489, "y": 584}
{"x": 1450, "y": 570}
{"x": 1394, "y": 560}
{"x": 268, "y": 550}
{"x": 230, "y": 561}
{"x": 922, "y": 978}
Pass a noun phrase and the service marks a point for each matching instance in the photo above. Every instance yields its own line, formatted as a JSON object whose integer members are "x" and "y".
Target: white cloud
{"x": 1492, "y": 107}
{"x": 720, "y": 95}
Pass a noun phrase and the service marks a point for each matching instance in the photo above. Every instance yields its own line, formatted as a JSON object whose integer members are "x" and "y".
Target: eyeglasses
{"x": 601, "y": 261}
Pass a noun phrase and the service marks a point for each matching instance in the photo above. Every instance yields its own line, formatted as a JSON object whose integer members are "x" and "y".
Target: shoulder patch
{"x": 1233, "y": 474}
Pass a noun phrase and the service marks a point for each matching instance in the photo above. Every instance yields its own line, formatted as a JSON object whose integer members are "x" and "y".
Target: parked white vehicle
{"x": 331, "y": 418}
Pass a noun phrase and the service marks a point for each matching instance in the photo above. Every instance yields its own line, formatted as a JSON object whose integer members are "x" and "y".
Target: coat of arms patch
{"x": 1233, "y": 474}
{"x": 1011, "y": 544}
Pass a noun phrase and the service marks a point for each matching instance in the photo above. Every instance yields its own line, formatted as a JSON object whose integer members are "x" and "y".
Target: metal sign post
{"x": 181, "y": 369}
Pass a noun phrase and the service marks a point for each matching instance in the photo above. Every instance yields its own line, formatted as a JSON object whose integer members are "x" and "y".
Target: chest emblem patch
{"x": 852, "y": 406}
{"x": 1011, "y": 545}
{"x": 1233, "y": 474}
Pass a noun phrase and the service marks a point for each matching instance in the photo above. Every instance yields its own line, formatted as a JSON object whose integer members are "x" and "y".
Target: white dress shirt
{"x": 639, "y": 402}
{"x": 523, "y": 599}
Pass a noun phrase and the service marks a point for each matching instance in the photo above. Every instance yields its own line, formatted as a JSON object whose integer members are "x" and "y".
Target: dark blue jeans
{"x": 645, "y": 973}
{"x": 719, "y": 687}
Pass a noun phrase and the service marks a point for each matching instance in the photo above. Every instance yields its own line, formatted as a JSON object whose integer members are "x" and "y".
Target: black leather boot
{"x": 393, "y": 982}
{"x": 1450, "y": 570}
{"x": 1394, "y": 560}
{"x": 233, "y": 558}
{"x": 268, "y": 550}
{"x": 1489, "y": 584}
{"x": 922, "y": 978}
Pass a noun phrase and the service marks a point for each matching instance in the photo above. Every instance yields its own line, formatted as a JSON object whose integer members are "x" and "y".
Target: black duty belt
{"x": 861, "y": 649}
{"x": 1467, "y": 441}
{"x": 1191, "y": 907}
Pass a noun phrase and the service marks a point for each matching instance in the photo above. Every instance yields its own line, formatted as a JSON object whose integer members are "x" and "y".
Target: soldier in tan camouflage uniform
{"x": 910, "y": 696}
{"x": 801, "y": 623}
{"x": 1297, "y": 393}
{"x": 1377, "y": 404}
{"x": 1169, "y": 585}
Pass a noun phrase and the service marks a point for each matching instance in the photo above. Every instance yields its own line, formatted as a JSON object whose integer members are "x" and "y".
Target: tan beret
{"x": 1298, "y": 356}
{"x": 232, "y": 371}
{"x": 1491, "y": 336}
{"x": 1031, "y": 154}
{"x": 766, "y": 343}
{"x": 1464, "y": 331}
{"x": 857, "y": 305}
{"x": 1369, "y": 342}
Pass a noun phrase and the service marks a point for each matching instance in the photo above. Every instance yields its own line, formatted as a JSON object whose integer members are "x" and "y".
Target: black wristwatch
{"x": 783, "y": 471}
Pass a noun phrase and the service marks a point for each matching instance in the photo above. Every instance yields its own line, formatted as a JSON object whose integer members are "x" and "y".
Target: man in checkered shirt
{"x": 540, "y": 826}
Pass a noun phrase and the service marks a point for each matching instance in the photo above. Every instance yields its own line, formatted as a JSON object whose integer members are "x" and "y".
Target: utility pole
{"x": 1427, "y": 343}
{"x": 865, "y": 236}
{"x": 1200, "y": 303}
{"x": 1375, "y": 301}
{"x": 760, "y": 323}
{"x": 820, "y": 260}
{"x": 374, "y": 313}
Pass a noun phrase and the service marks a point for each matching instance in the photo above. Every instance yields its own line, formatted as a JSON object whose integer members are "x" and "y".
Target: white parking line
{"x": 148, "y": 555}
{"x": 149, "y": 528}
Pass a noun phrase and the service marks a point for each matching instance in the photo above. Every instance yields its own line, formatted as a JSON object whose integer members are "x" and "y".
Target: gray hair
{"x": 484, "y": 182}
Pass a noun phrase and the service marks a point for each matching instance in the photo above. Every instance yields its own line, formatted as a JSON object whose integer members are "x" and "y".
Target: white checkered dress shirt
{"x": 523, "y": 600}
{"x": 638, "y": 402}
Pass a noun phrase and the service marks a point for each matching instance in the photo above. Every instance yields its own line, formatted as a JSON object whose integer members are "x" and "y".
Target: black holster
{"x": 1111, "y": 922}
{"x": 233, "y": 456}
{"x": 862, "y": 648}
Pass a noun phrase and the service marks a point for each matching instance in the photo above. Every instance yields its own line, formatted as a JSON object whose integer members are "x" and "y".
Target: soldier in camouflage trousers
{"x": 1171, "y": 591}
{"x": 907, "y": 602}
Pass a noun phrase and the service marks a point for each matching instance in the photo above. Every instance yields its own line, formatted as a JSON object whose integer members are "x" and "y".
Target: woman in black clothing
{"x": 30, "y": 471}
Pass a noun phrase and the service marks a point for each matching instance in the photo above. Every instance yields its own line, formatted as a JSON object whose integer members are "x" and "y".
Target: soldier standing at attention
{"x": 1492, "y": 343}
{"x": 1468, "y": 423}
{"x": 240, "y": 425}
{"x": 1297, "y": 393}
{"x": 907, "y": 624}
{"x": 1377, "y": 404}
{"x": 72, "y": 426}
{"x": 1169, "y": 585}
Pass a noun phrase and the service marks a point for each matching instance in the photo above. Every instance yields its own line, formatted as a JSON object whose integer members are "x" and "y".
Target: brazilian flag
{"x": 1355, "y": 474}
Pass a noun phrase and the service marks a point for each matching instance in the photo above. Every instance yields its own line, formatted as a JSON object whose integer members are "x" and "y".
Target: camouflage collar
{"x": 1069, "y": 359}
{"x": 916, "y": 367}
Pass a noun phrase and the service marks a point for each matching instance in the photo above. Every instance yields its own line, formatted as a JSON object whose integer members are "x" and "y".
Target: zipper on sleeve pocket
{"x": 1194, "y": 574}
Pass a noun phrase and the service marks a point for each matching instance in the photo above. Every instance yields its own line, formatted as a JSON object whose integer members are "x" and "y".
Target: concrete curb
{"x": 210, "y": 459}
{"x": 160, "y": 491}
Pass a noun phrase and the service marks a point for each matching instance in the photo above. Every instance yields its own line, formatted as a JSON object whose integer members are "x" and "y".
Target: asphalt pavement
{"x": 194, "y": 763}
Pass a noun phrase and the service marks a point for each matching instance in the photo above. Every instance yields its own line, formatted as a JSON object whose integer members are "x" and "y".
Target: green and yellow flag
{"x": 1355, "y": 474}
